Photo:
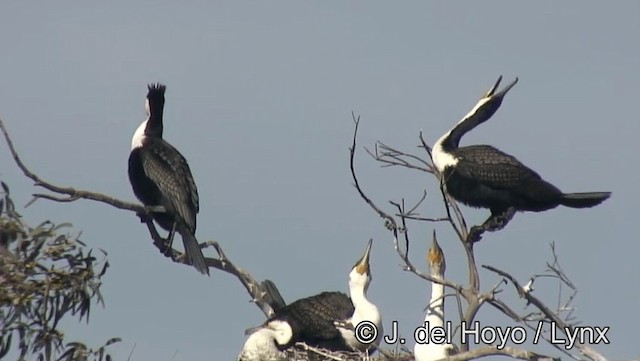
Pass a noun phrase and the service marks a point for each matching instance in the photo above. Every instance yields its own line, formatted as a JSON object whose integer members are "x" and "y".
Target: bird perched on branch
{"x": 484, "y": 177}
{"x": 160, "y": 176}
{"x": 326, "y": 320}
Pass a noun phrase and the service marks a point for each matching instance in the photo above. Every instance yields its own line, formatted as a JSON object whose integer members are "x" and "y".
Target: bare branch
{"x": 326, "y": 354}
{"x": 389, "y": 221}
{"x": 392, "y": 157}
{"x": 564, "y": 327}
{"x": 512, "y": 352}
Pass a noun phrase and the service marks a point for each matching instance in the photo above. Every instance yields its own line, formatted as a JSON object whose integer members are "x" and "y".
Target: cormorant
{"x": 326, "y": 320}
{"x": 432, "y": 351}
{"x": 160, "y": 176}
{"x": 260, "y": 346}
{"x": 484, "y": 177}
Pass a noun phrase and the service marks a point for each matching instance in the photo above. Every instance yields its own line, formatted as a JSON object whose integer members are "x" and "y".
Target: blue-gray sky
{"x": 259, "y": 100}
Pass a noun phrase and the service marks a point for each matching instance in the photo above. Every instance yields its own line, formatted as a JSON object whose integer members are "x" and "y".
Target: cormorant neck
{"x": 154, "y": 126}
{"x": 441, "y": 153}
{"x": 358, "y": 296}
{"x": 360, "y": 301}
{"x": 435, "y": 311}
{"x": 477, "y": 115}
{"x": 364, "y": 310}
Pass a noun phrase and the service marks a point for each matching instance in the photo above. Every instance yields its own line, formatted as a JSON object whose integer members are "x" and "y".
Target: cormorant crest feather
{"x": 156, "y": 89}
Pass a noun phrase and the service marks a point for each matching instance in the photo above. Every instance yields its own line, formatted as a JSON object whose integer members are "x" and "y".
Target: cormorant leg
{"x": 475, "y": 234}
{"x": 169, "y": 240}
{"x": 498, "y": 221}
{"x": 144, "y": 217}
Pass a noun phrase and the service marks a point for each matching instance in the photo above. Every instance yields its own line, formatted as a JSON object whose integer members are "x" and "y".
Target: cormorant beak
{"x": 251, "y": 330}
{"x": 362, "y": 266}
{"x": 499, "y": 95}
{"x": 435, "y": 258}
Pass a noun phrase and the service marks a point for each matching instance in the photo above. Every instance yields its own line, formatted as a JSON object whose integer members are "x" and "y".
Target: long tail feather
{"x": 193, "y": 250}
{"x": 583, "y": 200}
{"x": 273, "y": 296}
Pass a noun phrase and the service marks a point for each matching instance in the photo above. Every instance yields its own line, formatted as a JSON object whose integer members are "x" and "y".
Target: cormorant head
{"x": 435, "y": 258}
{"x": 281, "y": 331}
{"x": 260, "y": 345}
{"x": 481, "y": 112}
{"x": 152, "y": 126}
{"x": 489, "y": 104}
{"x": 361, "y": 272}
{"x": 155, "y": 97}
{"x": 155, "y": 108}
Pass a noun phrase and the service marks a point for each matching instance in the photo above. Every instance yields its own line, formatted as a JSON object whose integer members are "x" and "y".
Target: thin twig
{"x": 390, "y": 222}
{"x": 550, "y": 315}
{"x": 512, "y": 352}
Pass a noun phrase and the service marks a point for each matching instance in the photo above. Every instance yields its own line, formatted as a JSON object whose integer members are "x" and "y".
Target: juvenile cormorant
{"x": 160, "y": 176}
{"x": 432, "y": 351}
{"x": 484, "y": 177}
{"x": 260, "y": 346}
{"x": 326, "y": 320}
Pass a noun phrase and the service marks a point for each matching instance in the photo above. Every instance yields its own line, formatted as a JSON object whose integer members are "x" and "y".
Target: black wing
{"x": 169, "y": 170}
{"x": 314, "y": 316}
{"x": 492, "y": 167}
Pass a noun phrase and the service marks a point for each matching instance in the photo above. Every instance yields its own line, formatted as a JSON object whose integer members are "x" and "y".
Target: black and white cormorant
{"x": 484, "y": 177}
{"x": 326, "y": 320}
{"x": 160, "y": 176}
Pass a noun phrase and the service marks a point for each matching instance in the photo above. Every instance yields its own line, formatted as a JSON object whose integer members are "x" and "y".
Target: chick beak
{"x": 363, "y": 264}
{"x": 251, "y": 330}
{"x": 435, "y": 257}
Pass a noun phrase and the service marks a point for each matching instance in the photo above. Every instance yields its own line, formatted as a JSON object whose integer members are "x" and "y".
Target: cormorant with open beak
{"x": 484, "y": 177}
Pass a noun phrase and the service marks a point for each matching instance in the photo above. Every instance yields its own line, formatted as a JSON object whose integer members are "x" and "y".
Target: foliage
{"x": 45, "y": 277}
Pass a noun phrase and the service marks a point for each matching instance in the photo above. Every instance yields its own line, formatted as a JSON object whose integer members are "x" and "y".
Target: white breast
{"x": 442, "y": 159}
{"x": 138, "y": 136}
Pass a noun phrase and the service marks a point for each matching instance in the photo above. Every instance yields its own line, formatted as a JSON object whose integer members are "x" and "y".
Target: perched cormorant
{"x": 160, "y": 176}
{"x": 326, "y": 320}
{"x": 432, "y": 351}
{"x": 484, "y": 177}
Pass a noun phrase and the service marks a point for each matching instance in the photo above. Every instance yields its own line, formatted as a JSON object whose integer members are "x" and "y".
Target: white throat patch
{"x": 138, "y": 136}
{"x": 442, "y": 159}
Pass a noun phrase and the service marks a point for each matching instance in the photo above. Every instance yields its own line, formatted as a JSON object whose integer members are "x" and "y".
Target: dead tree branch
{"x": 512, "y": 352}
{"x": 260, "y": 295}
{"x": 553, "y": 318}
{"x": 390, "y": 156}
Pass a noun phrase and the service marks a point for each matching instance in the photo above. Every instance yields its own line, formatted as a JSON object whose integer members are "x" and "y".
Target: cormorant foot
{"x": 475, "y": 234}
{"x": 168, "y": 251}
{"x": 165, "y": 248}
{"x": 499, "y": 221}
{"x": 144, "y": 217}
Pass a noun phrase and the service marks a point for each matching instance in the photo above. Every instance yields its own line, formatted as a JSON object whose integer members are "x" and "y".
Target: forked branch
{"x": 547, "y": 315}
